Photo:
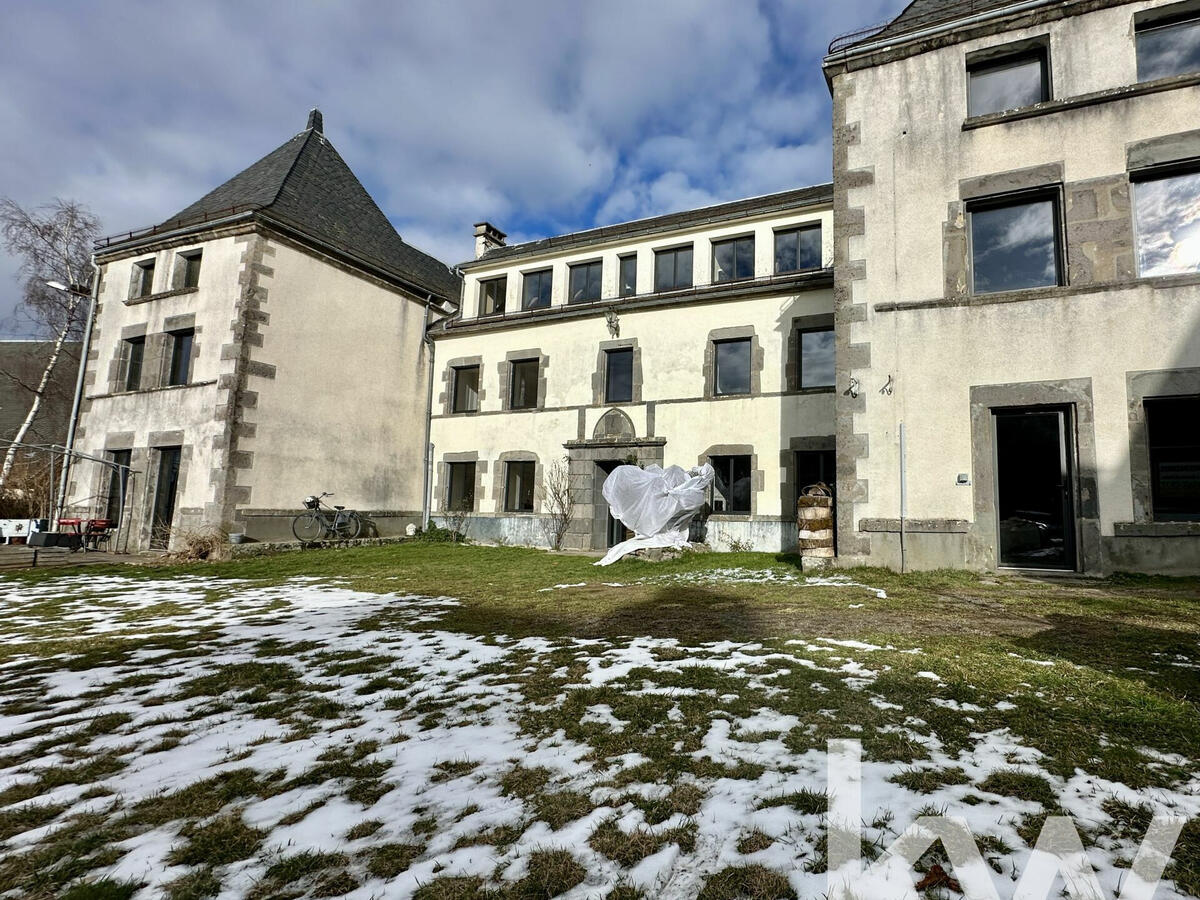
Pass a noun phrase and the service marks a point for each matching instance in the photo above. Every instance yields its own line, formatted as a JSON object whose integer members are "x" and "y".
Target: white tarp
{"x": 657, "y": 505}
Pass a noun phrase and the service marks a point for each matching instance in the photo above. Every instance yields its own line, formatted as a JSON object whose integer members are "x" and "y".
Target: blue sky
{"x": 541, "y": 117}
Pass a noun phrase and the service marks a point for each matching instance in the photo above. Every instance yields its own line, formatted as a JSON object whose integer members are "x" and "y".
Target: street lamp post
{"x": 79, "y": 291}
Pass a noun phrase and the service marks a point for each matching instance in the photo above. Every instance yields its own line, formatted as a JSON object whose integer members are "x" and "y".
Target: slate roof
{"x": 307, "y": 185}
{"x": 924, "y": 13}
{"x": 753, "y": 206}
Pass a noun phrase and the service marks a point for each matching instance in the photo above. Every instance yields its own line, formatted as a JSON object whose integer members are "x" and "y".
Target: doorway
{"x": 1035, "y": 492}
{"x": 165, "y": 490}
{"x": 607, "y": 531}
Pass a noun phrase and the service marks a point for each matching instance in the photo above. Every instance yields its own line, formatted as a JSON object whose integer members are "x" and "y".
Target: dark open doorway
{"x": 606, "y": 530}
{"x": 165, "y": 490}
{"x": 1035, "y": 487}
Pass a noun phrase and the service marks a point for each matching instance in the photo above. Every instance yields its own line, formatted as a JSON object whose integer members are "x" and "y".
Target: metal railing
{"x": 172, "y": 225}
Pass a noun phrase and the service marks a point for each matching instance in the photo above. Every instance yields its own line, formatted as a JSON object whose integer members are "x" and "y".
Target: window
{"x": 798, "y": 249}
{"x": 733, "y": 260}
{"x": 143, "y": 279}
{"x": 1168, "y": 46}
{"x": 114, "y": 502}
{"x": 585, "y": 282}
{"x": 466, "y": 389}
{"x": 181, "y": 356}
{"x": 518, "y": 487}
{"x": 1011, "y": 82}
{"x": 733, "y": 366}
{"x": 731, "y": 488}
{"x": 535, "y": 292}
{"x": 491, "y": 296}
{"x": 523, "y": 392}
{"x": 1167, "y": 209}
{"x": 673, "y": 269}
{"x": 618, "y": 376}
{"x": 1015, "y": 244}
{"x": 187, "y": 273}
{"x": 628, "y": 286}
{"x": 816, "y": 358}
{"x": 1173, "y": 430}
{"x": 133, "y": 351}
{"x": 460, "y": 492}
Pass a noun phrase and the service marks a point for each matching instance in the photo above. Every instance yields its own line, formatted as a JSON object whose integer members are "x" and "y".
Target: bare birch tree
{"x": 54, "y": 243}
{"x": 558, "y": 503}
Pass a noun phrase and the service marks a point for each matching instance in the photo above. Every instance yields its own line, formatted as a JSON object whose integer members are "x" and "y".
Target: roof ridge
{"x": 308, "y": 133}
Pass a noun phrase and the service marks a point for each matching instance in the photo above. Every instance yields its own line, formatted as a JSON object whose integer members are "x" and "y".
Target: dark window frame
{"x": 190, "y": 274}
{"x": 716, "y": 375}
{"x": 587, "y": 269}
{"x": 1154, "y": 20}
{"x": 509, "y": 471}
{"x": 622, "y": 261}
{"x": 800, "y": 332}
{"x": 513, "y": 364}
{"x": 118, "y": 480}
{"x": 996, "y": 59}
{"x": 541, "y": 276}
{"x": 797, "y": 230}
{"x": 1161, "y": 172}
{"x": 145, "y": 283}
{"x": 455, "y": 375}
{"x": 132, "y": 349}
{"x": 499, "y": 299}
{"x": 455, "y": 478}
{"x": 718, "y": 462}
{"x": 1154, "y": 453}
{"x": 179, "y": 364}
{"x": 661, "y": 253}
{"x": 609, "y": 356}
{"x": 1052, "y": 193}
{"x": 736, "y": 241}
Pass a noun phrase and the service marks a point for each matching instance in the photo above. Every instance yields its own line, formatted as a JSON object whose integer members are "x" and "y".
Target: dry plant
{"x": 207, "y": 543}
{"x": 458, "y": 518}
{"x": 558, "y": 503}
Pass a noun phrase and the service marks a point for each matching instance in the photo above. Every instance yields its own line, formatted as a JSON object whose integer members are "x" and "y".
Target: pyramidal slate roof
{"x": 305, "y": 184}
{"x": 924, "y": 13}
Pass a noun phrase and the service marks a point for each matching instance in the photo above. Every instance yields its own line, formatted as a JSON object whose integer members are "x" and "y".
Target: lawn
{"x": 446, "y": 721}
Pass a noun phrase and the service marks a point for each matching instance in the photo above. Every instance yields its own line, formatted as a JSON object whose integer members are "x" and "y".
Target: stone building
{"x": 702, "y": 336}
{"x": 263, "y": 344}
{"x": 1017, "y": 270}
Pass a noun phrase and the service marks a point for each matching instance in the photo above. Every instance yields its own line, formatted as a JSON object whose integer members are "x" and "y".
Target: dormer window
{"x": 491, "y": 296}
{"x": 535, "y": 291}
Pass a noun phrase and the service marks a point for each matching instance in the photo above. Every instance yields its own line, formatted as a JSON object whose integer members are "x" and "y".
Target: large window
{"x": 1015, "y": 244}
{"x": 733, "y": 259}
{"x": 181, "y": 356}
{"x": 618, "y": 376}
{"x": 733, "y": 366}
{"x": 1173, "y": 430}
{"x": 731, "y": 488}
{"x": 816, "y": 358}
{"x": 798, "y": 249}
{"x": 628, "y": 286}
{"x": 673, "y": 269}
{"x": 133, "y": 352}
{"x": 523, "y": 389}
{"x": 460, "y": 492}
{"x": 518, "y": 486}
{"x": 491, "y": 296}
{"x": 1168, "y": 224}
{"x": 1011, "y": 82}
{"x": 1168, "y": 46}
{"x": 535, "y": 289}
{"x": 466, "y": 389}
{"x": 118, "y": 477}
{"x": 143, "y": 279}
{"x": 585, "y": 282}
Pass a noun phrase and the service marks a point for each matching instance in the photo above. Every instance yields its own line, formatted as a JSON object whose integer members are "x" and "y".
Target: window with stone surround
{"x": 618, "y": 375}
{"x": 1168, "y": 45}
{"x": 460, "y": 492}
{"x": 732, "y": 485}
{"x": 142, "y": 282}
{"x": 816, "y": 357}
{"x": 187, "y": 270}
{"x": 181, "y": 356}
{"x": 466, "y": 389}
{"x": 523, "y": 384}
{"x": 732, "y": 360}
{"x": 1173, "y": 433}
{"x": 518, "y": 486}
{"x": 1167, "y": 214}
{"x": 997, "y": 83}
{"x": 673, "y": 268}
{"x": 133, "y": 352}
{"x": 1016, "y": 242}
{"x": 491, "y": 296}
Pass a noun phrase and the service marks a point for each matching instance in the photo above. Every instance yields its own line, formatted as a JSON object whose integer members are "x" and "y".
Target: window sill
{"x": 161, "y": 295}
{"x": 1155, "y": 282}
{"x": 1049, "y": 107}
{"x": 463, "y": 412}
{"x": 1157, "y": 529}
{"x": 730, "y": 517}
{"x": 802, "y": 392}
{"x": 153, "y": 390}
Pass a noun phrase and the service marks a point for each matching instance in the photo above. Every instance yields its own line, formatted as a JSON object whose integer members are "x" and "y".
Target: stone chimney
{"x": 316, "y": 121}
{"x": 487, "y": 237}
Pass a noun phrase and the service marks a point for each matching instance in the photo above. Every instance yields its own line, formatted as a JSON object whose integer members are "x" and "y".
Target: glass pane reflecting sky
{"x": 1013, "y": 247}
{"x": 1006, "y": 87}
{"x": 816, "y": 359}
{"x": 733, "y": 367}
{"x": 1172, "y": 50}
{"x": 1168, "y": 225}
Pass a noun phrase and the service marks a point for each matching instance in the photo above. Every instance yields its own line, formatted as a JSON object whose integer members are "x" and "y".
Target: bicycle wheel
{"x": 308, "y": 527}
{"x": 351, "y": 526}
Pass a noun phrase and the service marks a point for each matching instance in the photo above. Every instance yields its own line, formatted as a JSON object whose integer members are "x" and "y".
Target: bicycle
{"x": 321, "y": 521}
